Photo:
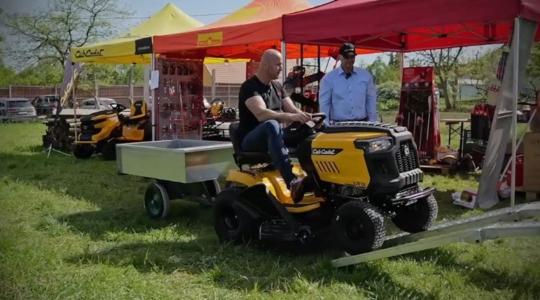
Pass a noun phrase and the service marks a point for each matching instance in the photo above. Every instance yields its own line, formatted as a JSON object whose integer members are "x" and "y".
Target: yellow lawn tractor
{"x": 354, "y": 175}
{"x": 101, "y": 131}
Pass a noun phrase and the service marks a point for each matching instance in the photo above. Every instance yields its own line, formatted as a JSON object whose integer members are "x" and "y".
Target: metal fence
{"x": 226, "y": 92}
{"x": 28, "y": 91}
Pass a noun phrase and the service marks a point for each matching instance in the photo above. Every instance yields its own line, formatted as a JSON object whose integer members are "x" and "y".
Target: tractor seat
{"x": 245, "y": 158}
{"x": 137, "y": 111}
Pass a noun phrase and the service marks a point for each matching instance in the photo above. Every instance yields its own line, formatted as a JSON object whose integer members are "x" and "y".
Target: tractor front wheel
{"x": 418, "y": 216}
{"x": 358, "y": 227}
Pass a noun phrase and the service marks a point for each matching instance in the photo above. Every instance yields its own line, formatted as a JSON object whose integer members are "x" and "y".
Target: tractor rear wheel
{"x": 231, "y": 222}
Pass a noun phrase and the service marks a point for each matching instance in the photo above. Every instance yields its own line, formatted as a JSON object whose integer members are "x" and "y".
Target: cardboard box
{"x": 531, "y": 170}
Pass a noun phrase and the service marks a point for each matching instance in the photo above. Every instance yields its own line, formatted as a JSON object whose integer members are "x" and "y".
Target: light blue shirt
{"x": 345, "y": 99}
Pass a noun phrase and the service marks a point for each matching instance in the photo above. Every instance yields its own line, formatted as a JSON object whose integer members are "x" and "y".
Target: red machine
{"x": 299, "y": 87}
{"x": 418, "y": 109}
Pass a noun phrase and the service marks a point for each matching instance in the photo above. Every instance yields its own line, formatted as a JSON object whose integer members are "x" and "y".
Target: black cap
{"x": 347, "y": 50}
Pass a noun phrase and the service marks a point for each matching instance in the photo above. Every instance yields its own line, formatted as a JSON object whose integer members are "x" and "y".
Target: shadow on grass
{"x": 97, "y": 224}
{"x": 117, "y": 201}
{"x": 234, "y": 267}
{"x": 253, "y": 266}
{"x": 92, "y": 180}
{"x": 521, "y": 283}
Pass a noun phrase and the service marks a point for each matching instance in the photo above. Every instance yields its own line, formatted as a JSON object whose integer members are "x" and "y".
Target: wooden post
{"x": 213, "y": 85}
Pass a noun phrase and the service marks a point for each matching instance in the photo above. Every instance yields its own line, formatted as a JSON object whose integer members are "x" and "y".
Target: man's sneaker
{"x": 297, "y": 189}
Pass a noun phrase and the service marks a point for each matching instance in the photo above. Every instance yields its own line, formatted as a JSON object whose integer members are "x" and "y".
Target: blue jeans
{"x": 268, "y": 137}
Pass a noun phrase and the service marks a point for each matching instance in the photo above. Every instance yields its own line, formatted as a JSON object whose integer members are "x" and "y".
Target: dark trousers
{"x": 268, "y": 137}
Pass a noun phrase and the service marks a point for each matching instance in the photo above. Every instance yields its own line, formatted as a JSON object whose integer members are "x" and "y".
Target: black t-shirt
{"x": 271, "y": 94}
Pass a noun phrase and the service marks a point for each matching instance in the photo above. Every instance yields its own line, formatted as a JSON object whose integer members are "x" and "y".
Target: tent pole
{"x": 153, "y": 97}
{"x": 96, "y": 90}
{"x": 75, "y": 105}
{"x": 213, "y": 85}
{"x": 515, "y": 95}
{"x": 318, "y": 70}
{"x": 146, "y": 89}
{"x": 131, "y": 100}
{"x": 302, "y": 66}
{"x": 504, "y": 120}
{"x": 401, "y": 65}
{"x": 284, "y": 58}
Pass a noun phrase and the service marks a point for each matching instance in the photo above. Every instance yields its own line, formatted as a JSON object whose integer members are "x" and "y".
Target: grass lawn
{"x": 75, "y": 229}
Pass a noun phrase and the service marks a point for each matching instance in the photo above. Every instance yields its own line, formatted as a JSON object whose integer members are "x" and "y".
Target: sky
{"x": 206, "y": 11}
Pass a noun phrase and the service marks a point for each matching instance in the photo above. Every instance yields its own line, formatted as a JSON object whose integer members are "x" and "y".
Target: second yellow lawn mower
{"x": 101, "y": 131}
{"x": 354, "y": 175}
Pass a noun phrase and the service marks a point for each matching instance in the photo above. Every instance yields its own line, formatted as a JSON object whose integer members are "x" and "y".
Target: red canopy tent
{"x": 246, "y": 33}
{"x": 409, "y": 25}
{"x": 412, "y": 25}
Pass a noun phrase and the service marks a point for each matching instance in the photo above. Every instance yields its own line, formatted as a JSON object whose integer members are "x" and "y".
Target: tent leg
{"x": 146, "y": 79}
{"x": 131, "y": 94}
{"x": 515, "y": 95}
{"x": 153, "y": 99}
{"x": 284, "y": 61}
{"x": 213, "y": 85}
{"x": 505, "y": 113}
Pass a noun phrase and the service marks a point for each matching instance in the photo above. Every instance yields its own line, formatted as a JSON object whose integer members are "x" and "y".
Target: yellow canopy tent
{"x": 135, "y": 47}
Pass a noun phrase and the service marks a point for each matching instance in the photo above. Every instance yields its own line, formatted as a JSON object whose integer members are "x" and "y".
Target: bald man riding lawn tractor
{"x": 349, "y": 175}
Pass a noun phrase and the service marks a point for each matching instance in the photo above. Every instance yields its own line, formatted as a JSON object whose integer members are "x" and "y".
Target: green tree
{"x": 46, "y": 72}
{"x": 48, "y": 35}
{"x": 445, "y": 62}
{"x": 110, "y": 75}
{"x": 6, "y": 73}
{"x": 533, "y": 68}
{"x": 387, "y": 80}
{"x": 383, "y": 72}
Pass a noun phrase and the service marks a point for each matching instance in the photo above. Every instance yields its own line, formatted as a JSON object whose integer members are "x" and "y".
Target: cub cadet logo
{"x": 325, "y": 151}
{"x": 210, "y": 39}
{"x": 89, "y": 53}
{"x": 406, "y": 150}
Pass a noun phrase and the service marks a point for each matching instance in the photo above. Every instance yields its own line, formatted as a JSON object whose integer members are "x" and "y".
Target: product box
{"x": 531, "y": 170}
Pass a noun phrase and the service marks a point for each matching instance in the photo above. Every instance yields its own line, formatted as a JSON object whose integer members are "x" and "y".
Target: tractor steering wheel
{"x": 297, "y": 132}
{"x": 118, "y": 107}
{"x": 316, "y": 120}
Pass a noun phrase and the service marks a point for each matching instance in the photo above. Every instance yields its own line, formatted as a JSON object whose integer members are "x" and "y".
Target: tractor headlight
{"x": 372, "y": 146}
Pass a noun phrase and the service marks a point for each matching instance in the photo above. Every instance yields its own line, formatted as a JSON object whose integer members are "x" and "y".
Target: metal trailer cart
{"x": 181, "y": 169}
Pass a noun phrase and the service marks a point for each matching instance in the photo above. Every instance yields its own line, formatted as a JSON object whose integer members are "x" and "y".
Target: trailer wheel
{"x": 231, "y": 223}
{"x": 418, "y": 216}
{"x": 156, "y": 201}
{"x": 359, "y": 227}
{"x": 83, "y": 151}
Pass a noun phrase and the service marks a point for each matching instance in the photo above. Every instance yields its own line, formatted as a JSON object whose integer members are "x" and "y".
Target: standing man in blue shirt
{"x": 348, "y": 93}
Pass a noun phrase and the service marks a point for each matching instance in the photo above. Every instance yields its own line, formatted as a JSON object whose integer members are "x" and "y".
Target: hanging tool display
{"x": 180, "y": 99}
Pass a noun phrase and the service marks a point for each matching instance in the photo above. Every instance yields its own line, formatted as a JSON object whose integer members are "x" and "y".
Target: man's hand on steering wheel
{"x": 301, "y": 117}
{"x": 318, "y": 119}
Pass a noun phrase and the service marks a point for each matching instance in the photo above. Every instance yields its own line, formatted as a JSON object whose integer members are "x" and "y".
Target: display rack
{"x": 179, "y": 99}
{"x": 418, "y": 109}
